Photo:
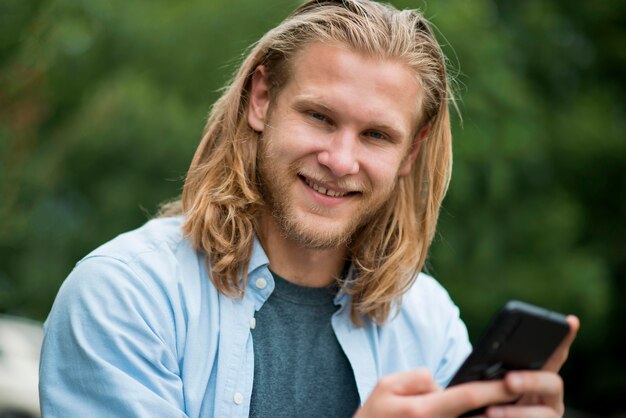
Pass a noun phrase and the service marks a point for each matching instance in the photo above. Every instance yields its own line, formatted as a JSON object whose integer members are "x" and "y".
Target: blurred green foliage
{"x": 102, "y": 104}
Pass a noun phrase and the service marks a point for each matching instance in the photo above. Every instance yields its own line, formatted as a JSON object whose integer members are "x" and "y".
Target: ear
{"x": 259, "y": 99}
{"x": 405, "y": 168}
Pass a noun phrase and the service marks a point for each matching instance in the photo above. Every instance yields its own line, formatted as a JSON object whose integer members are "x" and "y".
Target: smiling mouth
{"x": 323, "y": 190}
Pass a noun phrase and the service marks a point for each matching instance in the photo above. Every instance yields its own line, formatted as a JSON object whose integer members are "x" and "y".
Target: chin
{"x": 310, "y": 235}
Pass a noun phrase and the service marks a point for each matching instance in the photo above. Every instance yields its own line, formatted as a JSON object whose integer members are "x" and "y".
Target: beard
{"x": 276, "y": 185}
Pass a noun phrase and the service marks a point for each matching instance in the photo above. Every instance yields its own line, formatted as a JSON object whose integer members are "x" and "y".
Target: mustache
{"x": 348, "y": 184}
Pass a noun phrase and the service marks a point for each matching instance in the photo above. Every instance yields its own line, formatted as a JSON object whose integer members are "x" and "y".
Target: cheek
{"x": 290, "y": 140}
{"x": 382, "y": 167}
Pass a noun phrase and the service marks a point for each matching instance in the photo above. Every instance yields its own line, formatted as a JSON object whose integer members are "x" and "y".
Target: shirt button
{"x": 253, "y": 323}
{"x": 261, "y": 283}
{"x": 238, "y": 398}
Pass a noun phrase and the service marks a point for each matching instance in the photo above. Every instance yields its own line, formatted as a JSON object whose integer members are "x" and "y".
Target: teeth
{"x": 323, "y": 190}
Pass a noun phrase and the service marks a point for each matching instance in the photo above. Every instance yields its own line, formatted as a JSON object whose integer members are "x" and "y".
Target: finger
{"x": 547, "y": 385}
{"x": 556, "y": 361}
{"x": 412, "y": 382}
{"x": 536, "y": 411}
{"x": 465, "y": 397}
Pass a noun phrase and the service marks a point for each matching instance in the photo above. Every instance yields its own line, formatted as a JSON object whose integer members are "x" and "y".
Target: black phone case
{"x": 520, "y": 337}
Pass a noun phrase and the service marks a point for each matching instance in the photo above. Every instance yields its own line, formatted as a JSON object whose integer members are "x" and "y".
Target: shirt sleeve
{"x": 110, "y": 346}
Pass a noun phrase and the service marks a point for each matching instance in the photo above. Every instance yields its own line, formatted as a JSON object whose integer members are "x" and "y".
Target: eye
{"x": 378, "y": 136}
{"x": 318, "y": 116}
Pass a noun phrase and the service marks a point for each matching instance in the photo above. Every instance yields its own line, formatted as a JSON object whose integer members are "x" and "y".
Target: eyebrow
{"x": 306, "y": 101}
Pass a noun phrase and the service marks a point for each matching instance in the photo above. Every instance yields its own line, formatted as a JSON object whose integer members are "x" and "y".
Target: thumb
{"x": 412, "y": 382}
{"x": 560, "y": 355}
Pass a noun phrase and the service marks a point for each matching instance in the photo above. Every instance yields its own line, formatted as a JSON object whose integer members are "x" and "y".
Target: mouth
{"x": 326, "y": 189}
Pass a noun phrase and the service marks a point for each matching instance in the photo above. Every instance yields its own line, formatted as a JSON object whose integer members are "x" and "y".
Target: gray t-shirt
{"x": 300, "y": 369}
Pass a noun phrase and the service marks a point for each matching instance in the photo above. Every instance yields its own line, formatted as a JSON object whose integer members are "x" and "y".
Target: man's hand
{"x": 541, "y": 391}
{"x": 415, "y": 394}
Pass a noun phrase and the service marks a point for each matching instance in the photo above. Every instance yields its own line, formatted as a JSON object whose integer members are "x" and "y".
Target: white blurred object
{"x": 20, "y": 345}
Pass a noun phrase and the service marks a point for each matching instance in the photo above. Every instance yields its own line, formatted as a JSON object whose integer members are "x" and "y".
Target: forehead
{"x": 363, "y": 86}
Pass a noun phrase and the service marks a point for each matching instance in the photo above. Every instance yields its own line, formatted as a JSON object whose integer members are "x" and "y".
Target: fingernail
{"x": 495, "y": 412}
{"x": 515, "y": 382}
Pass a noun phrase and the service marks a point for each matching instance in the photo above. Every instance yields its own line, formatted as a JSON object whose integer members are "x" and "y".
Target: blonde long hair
{"x": 221, "y": 198}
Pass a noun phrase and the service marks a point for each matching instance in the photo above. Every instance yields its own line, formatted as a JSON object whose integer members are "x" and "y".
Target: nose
{"x": 338, "y": 154}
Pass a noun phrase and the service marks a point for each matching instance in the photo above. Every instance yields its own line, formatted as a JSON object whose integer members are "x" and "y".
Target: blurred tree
{"x": 102, "y": 103}
{"x": 536, "y": 205}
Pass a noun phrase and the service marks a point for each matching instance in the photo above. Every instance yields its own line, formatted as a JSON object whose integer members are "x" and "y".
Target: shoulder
{"x": 150, "y": 276}
{"x": 427, "y": 302}
{"x": 121, "y": 318}
{"x": 146, "y": 269}
{"x": 162, "y": 235}
{"x": 431, "y": 327}
{"x": 156, "y": 254}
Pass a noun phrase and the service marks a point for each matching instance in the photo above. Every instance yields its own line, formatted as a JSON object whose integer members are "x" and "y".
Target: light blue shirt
{"x": 139, "y": 330}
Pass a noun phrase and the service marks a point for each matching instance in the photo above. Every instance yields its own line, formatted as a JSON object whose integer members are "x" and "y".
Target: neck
{"x": 298, "y": 264}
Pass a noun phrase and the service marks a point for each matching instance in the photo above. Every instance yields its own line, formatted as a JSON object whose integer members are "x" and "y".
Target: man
{"x": 286, "y": 281}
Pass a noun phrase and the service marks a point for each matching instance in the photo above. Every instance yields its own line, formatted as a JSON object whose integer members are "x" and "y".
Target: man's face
{"x": 335, "y": 140}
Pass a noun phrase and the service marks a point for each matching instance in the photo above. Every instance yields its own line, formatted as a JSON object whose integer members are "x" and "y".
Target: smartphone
{"x": 520, "y": 337}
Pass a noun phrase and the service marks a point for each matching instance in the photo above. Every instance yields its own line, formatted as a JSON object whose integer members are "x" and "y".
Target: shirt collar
{"x": 260, "y": 283}
{"x": 342, "y": 296}
{"x": 258, "y": 258}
